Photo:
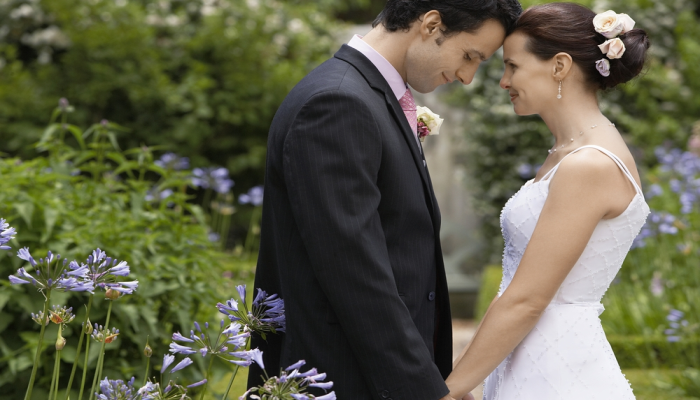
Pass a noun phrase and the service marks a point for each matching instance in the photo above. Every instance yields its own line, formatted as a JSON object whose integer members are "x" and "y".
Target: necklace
{"x": 555, "y": 148}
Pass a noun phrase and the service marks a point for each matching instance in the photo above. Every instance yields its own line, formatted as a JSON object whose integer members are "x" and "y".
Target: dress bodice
{"x": 603, "y": 256}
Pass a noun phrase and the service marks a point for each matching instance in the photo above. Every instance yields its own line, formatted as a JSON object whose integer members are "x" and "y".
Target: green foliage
{"x": 93, "y": 195}
{"x": 660, "y": 106}
{"x": 654, "y": 352}
{"x": 203, "y": 78}
{"x": 490, "y": 283}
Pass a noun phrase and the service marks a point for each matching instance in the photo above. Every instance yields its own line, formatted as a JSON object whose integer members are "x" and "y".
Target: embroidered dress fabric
{"x": 566, "y": 355}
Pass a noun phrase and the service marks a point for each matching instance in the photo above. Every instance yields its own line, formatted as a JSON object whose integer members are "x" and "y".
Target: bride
{"x": 568, "y": 230}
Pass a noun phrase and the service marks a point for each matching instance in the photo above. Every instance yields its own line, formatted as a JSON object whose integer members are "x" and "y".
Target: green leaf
{"x": 26, "y": 211}
{"x": 50, "y": 217}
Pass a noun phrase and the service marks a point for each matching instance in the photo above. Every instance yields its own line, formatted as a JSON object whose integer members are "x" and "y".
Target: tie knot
{"x": 407, "y": 102}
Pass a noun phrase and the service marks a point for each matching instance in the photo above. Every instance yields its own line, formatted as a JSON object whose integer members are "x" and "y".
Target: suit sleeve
{"x": 332, "y": 155}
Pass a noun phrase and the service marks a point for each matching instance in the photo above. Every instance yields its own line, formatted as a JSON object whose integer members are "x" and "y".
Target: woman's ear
{"x": 562, "y": 66}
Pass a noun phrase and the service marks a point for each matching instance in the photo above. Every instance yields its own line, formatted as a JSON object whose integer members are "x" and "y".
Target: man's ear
{"x": 562, "y": 66}
{"x": 430, "y": 24}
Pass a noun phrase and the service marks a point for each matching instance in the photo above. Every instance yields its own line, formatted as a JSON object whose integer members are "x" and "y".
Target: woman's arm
{"x": 461, "y": 355}
{"x": 581, "y": 193}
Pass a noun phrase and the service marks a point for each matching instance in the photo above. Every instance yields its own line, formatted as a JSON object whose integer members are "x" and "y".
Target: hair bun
{"x": 632, "y": 62}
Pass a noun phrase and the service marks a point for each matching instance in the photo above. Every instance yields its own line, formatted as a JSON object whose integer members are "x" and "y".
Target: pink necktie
{"x": 408, "y": 105}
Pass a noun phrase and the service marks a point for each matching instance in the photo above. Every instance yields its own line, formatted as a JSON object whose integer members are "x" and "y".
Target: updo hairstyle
{"x": 567, "y": 27}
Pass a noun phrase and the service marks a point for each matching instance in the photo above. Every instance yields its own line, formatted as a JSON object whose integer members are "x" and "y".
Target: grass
{"x": 654, "y": 384}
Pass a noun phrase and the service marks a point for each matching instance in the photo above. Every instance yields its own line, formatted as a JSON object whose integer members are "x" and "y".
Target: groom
{"x": 351, "y": 228}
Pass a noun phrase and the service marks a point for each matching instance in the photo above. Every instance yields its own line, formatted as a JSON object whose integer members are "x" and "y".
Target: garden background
{"x": 202, "y": 79}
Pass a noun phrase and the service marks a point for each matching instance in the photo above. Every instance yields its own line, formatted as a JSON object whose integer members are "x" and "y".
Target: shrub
{"x": 93, "y": 195}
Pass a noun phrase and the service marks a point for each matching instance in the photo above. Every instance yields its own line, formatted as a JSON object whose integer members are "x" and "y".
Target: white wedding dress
{"x": 566, "y": 355}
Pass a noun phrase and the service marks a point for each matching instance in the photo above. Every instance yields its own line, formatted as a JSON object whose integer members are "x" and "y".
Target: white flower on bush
{"x": 611, "y": 24}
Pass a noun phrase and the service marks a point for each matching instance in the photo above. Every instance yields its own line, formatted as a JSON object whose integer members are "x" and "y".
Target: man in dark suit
{"x": 351, "y": 228}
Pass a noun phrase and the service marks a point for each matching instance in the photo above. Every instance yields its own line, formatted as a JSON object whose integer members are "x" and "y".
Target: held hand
{"x": 467, "y": 397}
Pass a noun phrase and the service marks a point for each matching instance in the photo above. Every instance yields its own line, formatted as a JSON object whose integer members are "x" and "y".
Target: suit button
{"x": 431, "y": 296}
{"x": 385, "y": 394}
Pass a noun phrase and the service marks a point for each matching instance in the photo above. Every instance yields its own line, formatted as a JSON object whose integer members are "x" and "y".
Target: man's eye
{"x": 467, "y": 57}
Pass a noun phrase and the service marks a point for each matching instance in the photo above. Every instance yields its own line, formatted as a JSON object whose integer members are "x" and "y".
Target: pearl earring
{"x": 559, "y": 95}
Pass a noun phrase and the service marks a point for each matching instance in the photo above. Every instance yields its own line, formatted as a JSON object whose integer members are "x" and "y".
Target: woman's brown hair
{"x": 567, "y": 27}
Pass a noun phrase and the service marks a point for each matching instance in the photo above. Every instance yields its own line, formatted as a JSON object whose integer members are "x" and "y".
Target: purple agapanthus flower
{"x": 7, "y": 233}
{"x": 223, "y": 345}
{"x": 117, "y": 390}
{"x": 254, "y": 196}
{"x": 684, "y": 171}
{"x": 265, "y": 315}
{"x": 212, "y": 178}
{"x": 293, "y": 383}
{"x": 173, "y": 162}
{"x": 105, "y": 273}
{"x": 51, "y": 273}
{"x": 186, "y": 362}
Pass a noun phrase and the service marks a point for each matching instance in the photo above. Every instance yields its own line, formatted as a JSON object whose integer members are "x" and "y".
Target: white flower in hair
{"x": 611, "y": 24}
{"x": 613, "y": 48}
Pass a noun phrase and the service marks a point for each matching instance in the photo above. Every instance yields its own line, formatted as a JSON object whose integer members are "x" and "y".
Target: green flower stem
{"x": 28, "y": 395}
{"x": 235, "y": 371}
{"x": 251, "y": 235}
{"x": 53, "y": 377}
{"x": 85, "y": 368}
{"x": 100, "y": 361}
{"x": 58, "y": 373}
{"x": 80, "y": 345}
{"x": 145, "y": 376}
{"x": 204, "y": 390}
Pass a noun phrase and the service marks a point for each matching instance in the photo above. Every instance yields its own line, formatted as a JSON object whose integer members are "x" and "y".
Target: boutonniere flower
{"x": 428, "y": 122}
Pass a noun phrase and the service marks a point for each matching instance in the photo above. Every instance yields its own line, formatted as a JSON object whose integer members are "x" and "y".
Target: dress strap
{"x": 608, "y": 153}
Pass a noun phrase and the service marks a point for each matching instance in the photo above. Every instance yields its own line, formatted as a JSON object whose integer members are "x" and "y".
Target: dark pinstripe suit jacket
{"x": 350, "y": 240}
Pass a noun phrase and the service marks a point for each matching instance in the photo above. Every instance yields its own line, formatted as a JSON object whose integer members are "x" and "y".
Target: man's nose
{"x": 466, "y": 74}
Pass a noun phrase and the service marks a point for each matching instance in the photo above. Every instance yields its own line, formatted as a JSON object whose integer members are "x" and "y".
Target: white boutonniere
{"x": 428, "y": 122}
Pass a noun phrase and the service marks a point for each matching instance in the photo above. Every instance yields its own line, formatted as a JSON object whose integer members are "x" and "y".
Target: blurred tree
{"x": 203, "y": 77}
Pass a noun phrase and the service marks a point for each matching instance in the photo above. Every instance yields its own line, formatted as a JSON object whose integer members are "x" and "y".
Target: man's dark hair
{"x": 457, "y": 15}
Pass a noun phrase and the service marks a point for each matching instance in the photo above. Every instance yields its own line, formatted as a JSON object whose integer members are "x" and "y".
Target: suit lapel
{"x": 377, "y": 81}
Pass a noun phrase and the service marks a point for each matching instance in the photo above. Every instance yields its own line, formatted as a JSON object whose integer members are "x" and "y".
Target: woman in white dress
{"x": 568, "y": 230}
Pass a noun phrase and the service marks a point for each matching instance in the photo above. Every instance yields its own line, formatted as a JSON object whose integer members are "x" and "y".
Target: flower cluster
{"x": 153, "y": 391}
{"x": 657, "y": 223}
{"x": 292, "y": 383}
{"x": 684, "y": 168}
{"x": 117, "y": 390}
{"x": 7, "y": 233}
{"x": 266, "y": 314}
{"x": 51, "y": 273}
{"x": 212, "y": 178}
{"x": 224, "y": 345}
{"x": 254, "y": 196}
{"x": 611, "y": 25}
{"x": 678, "y": 326}
{"x": 59, "y": 315}
{"x": 102, "y": 272}
{"x": 173, "y": 162}
{"x": 528, "y": 171}
{"x": 102, "y": 334}
{"x": 429, "y": 123}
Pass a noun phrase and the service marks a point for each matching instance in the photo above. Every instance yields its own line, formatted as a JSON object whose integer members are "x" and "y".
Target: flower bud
{"x": 88, "y": 327}
{"x": 60, "y": 341}
{"x": 111, "y": 294}
{"x": 147, "y": 351}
